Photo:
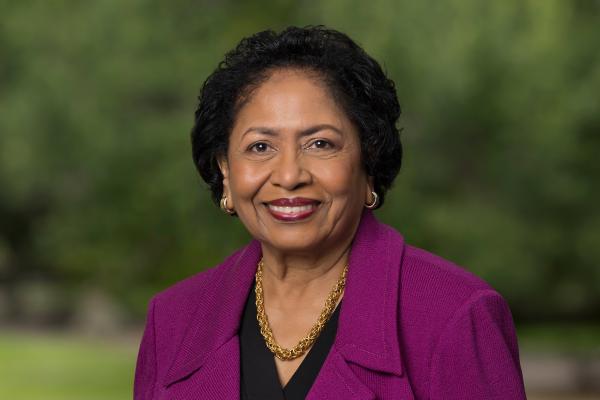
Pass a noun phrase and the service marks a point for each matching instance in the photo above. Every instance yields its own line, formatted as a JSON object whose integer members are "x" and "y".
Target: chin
{"x": 294, "y": 243}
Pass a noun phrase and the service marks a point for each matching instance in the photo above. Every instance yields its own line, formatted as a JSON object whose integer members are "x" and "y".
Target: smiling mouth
{"x": 292, "y": 213}
{"x": 291, "y": 210}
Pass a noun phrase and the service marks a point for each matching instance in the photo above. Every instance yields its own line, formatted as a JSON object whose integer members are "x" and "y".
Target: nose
{"x": 290, "y": 172}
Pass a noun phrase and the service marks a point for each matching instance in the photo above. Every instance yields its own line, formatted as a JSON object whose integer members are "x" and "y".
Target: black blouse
{"x": 259, "y": 379}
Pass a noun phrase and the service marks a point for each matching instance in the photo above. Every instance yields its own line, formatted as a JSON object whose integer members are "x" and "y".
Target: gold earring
{"x": 224, "y": 206}
{"x": 375, "y": 201}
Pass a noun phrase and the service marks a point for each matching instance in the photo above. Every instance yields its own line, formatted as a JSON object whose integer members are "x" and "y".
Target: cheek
{"x": 341, "y": 178}
{"x": 246, "y": 179}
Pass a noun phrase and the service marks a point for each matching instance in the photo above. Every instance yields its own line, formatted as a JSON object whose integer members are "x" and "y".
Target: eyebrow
{"x": 306, "y": 132}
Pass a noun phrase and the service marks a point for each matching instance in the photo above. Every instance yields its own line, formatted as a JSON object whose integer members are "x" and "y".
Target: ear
{"x": 370, "y": 187}
{"x": 223, "y": 165}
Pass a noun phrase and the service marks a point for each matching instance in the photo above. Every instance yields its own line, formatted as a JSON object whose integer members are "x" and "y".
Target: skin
{"x": 291, "y": 139}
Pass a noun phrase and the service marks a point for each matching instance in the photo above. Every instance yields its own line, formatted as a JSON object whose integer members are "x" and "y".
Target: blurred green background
{"x": 101, "y": 207}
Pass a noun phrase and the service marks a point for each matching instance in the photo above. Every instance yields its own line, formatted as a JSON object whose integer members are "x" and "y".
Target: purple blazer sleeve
{"x": 145, "y": 371}
{"x": 477, "y": 355}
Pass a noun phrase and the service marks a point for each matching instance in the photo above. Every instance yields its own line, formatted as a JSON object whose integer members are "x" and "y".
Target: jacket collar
{"x": 367, "y": 328}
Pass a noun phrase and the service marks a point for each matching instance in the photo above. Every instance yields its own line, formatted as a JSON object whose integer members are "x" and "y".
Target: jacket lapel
{"x": 209, "y": 351}
{"x": 217, "y": 378}
{"x": 367, "y": 336}
{"x": 337, "y": 381}
{"x": 368, "y": 326}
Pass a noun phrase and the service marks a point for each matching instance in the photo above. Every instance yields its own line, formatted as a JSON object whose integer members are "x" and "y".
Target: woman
{"x": 296, "y": 135}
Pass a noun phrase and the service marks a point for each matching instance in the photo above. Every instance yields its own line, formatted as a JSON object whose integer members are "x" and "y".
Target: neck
{"x": 293, "y": 275}
{"x": 301, "y": 275}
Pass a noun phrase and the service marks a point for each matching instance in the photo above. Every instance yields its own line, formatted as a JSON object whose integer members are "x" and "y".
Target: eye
{"x": 320, "y": 144}
{"x": 259, "y": 147}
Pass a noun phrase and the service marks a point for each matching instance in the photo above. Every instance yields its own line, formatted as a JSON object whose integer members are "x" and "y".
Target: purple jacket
{"x": 412, "y": 326}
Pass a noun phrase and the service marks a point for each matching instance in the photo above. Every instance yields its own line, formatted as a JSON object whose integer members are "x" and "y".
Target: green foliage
{"x": 579, "y": 338}
{"x": 500, "y": 123}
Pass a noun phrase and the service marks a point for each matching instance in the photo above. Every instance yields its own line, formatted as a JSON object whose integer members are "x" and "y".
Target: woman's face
{"x": 293, "y": 170}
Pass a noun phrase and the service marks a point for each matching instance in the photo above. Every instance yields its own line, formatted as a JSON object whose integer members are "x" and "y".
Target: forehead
{"x": 291, "y": 98}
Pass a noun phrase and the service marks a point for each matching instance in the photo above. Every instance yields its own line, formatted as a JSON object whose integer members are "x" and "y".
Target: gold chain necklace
{"x": 307, "y": 341}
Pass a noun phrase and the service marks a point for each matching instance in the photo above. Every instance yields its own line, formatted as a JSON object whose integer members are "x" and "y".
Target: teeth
{"x": 291, "y": 210}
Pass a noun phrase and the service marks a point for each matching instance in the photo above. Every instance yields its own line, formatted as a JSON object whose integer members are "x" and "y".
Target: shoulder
{"x": 444, "y": 288}
{"x": 428, "y": 282}
{"x": 444, "y": 306}
{"x": 435, "y": 281}
{"x": 182, "y": 296}
{"x": 173, "y": 307}
{"x": 456, "y": 322}
{"x": 171, "y": 310}
{"x": 434, "y": 290}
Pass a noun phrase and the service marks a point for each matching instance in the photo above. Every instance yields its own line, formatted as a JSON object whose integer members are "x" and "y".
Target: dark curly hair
{"x": 356, "y": 82}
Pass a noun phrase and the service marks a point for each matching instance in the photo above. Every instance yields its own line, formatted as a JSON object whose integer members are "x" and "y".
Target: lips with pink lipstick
{"x": 294, "y": 209}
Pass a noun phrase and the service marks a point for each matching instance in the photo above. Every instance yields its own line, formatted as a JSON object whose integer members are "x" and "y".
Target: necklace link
{"x": 306, "y": 342}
